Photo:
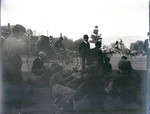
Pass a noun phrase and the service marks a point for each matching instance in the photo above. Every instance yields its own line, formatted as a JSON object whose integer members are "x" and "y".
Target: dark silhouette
{"x": 13, "y": 88}
{"x": 84, "y": 48}
{"x": 38, "y": 64}
{"x": 58, "y": 45}
{"x": 95, "y": 55}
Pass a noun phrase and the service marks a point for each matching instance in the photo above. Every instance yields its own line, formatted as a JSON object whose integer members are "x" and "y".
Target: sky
{"x": 127, "y": 19}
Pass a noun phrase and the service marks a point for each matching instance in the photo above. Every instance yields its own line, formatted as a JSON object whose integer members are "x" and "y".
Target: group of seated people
{"x": 93, "y": 82}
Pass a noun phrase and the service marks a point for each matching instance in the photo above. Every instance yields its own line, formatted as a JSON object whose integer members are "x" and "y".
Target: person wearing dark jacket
{"x": 95, "y": 55}
{"x": 38, "y": 64}
{"x": 84, "y": 49}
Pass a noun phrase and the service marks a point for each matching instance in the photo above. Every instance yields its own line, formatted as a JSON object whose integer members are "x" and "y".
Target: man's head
{"x": 18, "y": 31}
{"x": 86, "y": 37}
{"x": 98, "y": 44}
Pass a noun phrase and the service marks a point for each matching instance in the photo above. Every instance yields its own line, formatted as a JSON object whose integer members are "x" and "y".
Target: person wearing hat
{"x": 12, "y": 79}
{"x": 38, "y": 64}
{"x": 84, "y": 48}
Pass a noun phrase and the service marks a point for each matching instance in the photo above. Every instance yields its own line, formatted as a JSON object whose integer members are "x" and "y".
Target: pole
{"x": 148, "y": 69}
{"x": 148, "y": 52}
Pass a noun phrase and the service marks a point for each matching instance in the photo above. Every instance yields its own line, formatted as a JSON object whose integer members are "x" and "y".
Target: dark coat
{"x": 107, "y": 67}
{"x": 95, "y": 56}
{"x": 84, "y": 49}
{"x": 38, "y": 66}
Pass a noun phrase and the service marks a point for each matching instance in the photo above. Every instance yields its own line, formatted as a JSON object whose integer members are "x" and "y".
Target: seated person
{"x": 125, "y": 59}
{"x": 93, "y": 88}
{"x": 38, "y": 64}
{"x": 43, "y": 79}
{"x": 135, "y": 79}
{"x": 60, "y": 89}
{"x": 122, "y": 82}
{"x": 64, "y": 78}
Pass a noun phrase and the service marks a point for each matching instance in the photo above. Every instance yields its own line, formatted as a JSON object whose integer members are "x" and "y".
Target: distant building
{"x": 6, "y": 30}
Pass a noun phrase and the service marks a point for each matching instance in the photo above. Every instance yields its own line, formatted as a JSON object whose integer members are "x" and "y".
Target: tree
{"x": 77, "y": 43}
{"x": 68, "y": 43}
{"x": 138, "y": 46}
{"x": 95, "y": 36}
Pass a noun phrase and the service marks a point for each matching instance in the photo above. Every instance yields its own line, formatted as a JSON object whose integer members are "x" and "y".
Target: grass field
{"x": 138, "y": 63}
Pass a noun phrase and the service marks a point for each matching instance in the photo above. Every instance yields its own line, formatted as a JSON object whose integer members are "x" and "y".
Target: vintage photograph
{"x": 75, "y": 57}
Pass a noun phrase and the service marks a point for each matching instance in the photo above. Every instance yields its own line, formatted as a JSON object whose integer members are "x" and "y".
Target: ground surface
{"x": 38, "y": 102}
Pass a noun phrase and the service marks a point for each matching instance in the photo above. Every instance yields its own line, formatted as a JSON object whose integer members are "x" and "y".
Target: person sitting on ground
{"x": 126, "y": 59}
{"x": 61, "y": 92}
{"x": 38, "y": 67}
{"x": 122, "y": 82}
{"x": 63, "y": 77}
{"x": 135, "y": 79}
{"x": 43, "y": 79}
{"x": 93, "y": 88}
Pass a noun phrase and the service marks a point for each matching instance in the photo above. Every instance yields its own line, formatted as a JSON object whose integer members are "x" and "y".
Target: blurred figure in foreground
{"x": 15, "y": 45}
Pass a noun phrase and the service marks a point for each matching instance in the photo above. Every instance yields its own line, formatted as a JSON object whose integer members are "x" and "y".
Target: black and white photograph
{"x": 75, "y": 57}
